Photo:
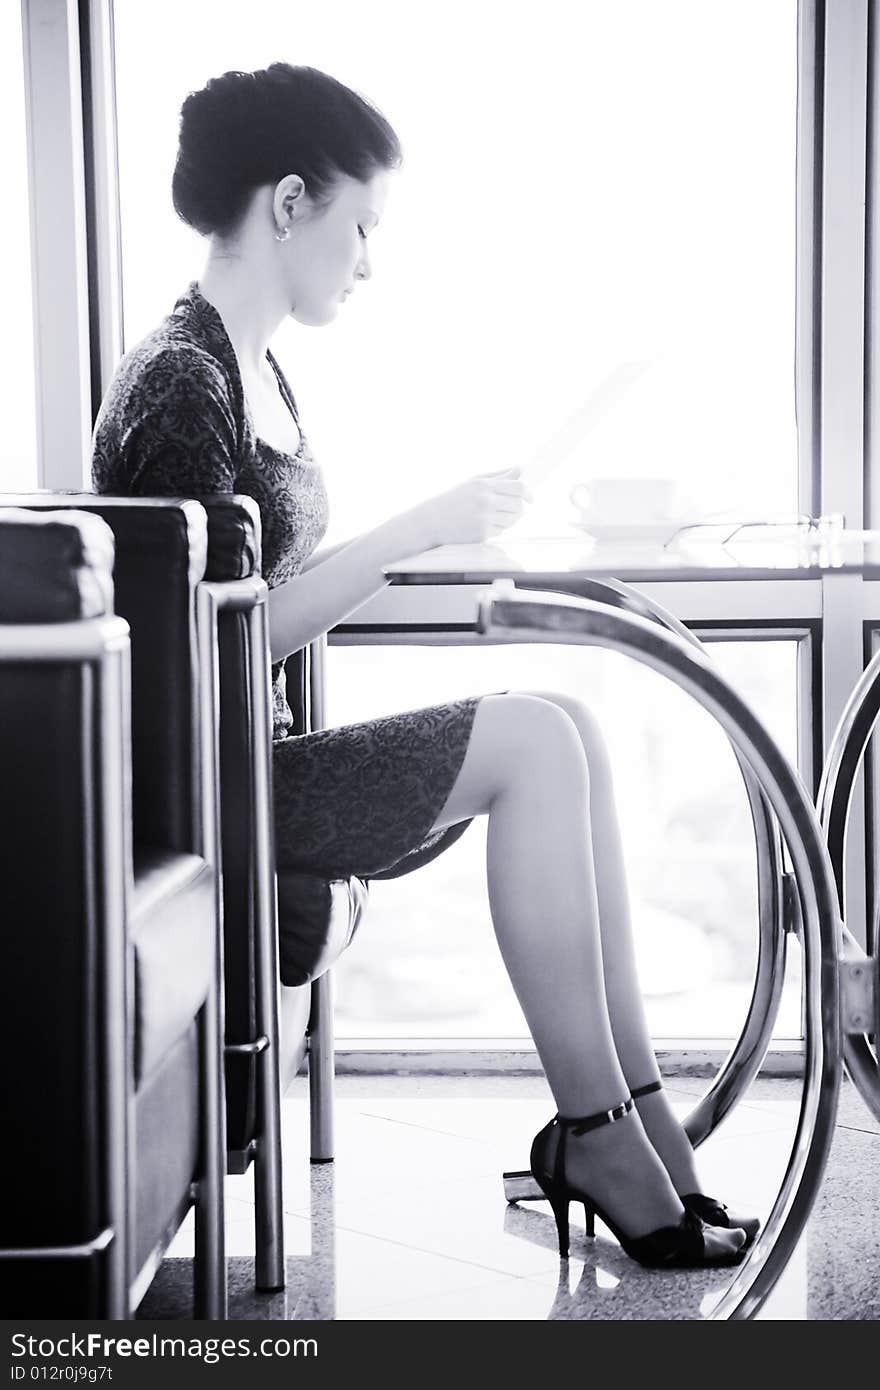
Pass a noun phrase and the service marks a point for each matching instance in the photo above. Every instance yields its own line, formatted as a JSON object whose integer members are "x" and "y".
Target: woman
{"x": 286, "y": 172}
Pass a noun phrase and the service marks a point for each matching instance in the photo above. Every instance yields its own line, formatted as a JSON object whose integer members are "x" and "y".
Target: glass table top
{"x": 728, "y": 550}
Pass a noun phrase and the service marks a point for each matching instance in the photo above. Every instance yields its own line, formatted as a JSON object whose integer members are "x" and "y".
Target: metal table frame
{"x": 860, "y": 993}
{"x": 623, "y": 621}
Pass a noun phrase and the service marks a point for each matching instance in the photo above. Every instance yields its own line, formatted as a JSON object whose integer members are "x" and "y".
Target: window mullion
{"x": 808, "y": 249}
{"x": 841, "y": 385}
{"x": 50, "y": 34}
{"x": 844, "y": 147}
{"x": 103, "y": 221}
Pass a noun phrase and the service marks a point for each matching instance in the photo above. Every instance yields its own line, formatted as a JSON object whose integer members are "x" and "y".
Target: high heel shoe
{"x": 681, "y": 1246}
{"x": 710, "y": 1211}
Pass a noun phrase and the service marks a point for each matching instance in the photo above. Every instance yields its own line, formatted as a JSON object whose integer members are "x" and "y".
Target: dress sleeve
{"x": 179, "y": 435}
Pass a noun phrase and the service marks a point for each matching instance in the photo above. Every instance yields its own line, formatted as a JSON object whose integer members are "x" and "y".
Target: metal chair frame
{"x": 320, "y": 1042}
{"x": 249, "y": 596}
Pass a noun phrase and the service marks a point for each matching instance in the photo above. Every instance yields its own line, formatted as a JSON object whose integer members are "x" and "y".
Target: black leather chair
{"x": 318, "y": 919}
{"x": 111, "y": 1017}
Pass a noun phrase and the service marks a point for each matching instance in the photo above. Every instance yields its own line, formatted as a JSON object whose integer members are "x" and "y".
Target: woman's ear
{"x": 288, "y": 198}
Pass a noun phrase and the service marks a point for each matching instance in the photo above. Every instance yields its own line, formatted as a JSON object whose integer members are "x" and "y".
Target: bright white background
{"x": 584, "y": 184}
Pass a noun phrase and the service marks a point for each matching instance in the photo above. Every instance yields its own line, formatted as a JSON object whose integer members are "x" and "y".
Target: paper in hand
{"x": 576, "y": 428}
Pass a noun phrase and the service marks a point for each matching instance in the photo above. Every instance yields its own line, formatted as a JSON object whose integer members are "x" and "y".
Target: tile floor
{"x": 410, "y": 1221}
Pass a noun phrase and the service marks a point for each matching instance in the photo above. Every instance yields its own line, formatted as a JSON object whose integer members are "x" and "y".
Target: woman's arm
{"x": 190, "y": 452}
{"x": 321, "y": 555}
{"x": 334, "y": 585}
{"x": 320, "y": 597}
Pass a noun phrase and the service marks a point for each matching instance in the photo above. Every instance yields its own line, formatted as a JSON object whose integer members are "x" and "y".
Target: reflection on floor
{"x": 410, "y": 1221}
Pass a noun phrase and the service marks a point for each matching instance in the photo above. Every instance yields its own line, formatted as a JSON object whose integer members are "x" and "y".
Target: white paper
{"x": 582, "y": 422}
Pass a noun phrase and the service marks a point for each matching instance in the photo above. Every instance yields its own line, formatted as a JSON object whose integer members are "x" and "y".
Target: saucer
{"x": 631, "y": 532}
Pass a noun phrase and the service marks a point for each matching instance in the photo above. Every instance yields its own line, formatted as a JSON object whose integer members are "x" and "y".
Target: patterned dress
{"x": 359, "y": 799}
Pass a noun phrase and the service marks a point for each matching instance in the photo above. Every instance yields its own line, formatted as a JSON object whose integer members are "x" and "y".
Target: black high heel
{"x": 669, "y": 1247}
{"x": 711, "y": 1212}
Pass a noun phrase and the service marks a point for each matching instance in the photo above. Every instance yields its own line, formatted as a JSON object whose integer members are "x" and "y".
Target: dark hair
{"x": 247, "y": 129}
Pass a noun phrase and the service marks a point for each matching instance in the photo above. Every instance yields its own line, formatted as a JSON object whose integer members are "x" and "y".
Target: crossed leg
{"x": 554, "y": 851}
{"x": 626, "y": 1008}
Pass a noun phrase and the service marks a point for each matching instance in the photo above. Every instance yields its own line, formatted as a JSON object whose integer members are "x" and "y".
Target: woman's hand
{"x": 324, "y": 595}
{"x": 475, "y": 510}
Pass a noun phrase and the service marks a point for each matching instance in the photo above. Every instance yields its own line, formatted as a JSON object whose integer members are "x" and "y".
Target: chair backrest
{"x": 168, "y": 539}
{"x": 234, "y": 553}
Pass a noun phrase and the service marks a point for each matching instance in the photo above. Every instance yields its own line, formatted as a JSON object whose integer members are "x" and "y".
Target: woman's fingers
{"x": 508, "y": 480}
{"x": 513, "y": 488}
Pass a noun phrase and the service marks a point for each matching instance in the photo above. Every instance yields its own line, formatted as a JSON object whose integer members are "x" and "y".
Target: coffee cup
{"x": 623, "y": 501}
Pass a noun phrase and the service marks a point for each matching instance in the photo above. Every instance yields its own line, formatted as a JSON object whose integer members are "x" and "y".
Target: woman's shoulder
{"x": 182, "y": 364}
{"x": 173, "y": 387}
{"x": 176, "y": 356}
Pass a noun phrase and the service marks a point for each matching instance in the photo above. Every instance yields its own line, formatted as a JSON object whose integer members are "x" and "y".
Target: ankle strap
{"x": 580, "y": 1125}
{"x": 647, "y": 1090}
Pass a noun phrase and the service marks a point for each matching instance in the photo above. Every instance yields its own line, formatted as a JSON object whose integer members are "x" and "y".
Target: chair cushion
{"x": 317, "y": 919}
{"x": 173, "y": 926}
{"x": 55, "y": 566}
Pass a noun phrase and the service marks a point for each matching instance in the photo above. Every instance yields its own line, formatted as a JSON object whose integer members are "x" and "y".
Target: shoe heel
{"x": 590, "y": 1221}
{"x": 560, "y": 1211}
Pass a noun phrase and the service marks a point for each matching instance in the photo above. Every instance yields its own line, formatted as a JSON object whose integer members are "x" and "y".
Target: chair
{"x": 112, "y": 1017}
{"x": 318, "y": 918}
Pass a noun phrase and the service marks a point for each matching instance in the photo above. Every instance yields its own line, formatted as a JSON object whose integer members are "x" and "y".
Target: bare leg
{"x": 625, "y": 1006}
{"x": 525, "y": 767}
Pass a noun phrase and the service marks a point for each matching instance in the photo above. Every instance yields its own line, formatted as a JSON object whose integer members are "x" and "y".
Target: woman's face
{"x": 327, "y": 252}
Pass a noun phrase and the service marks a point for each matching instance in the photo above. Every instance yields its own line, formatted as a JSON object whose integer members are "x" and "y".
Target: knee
{"x": 537, "y": 739}
{"x": 585, "y": 722}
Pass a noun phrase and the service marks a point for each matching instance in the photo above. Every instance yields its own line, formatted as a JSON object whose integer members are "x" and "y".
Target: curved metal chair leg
{"x": 536, "y": 617}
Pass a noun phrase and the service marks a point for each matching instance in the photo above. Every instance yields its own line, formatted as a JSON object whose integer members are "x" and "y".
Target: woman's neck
{"x": 250, "y": 307}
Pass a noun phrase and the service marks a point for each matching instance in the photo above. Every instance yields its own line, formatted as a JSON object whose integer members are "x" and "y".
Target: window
{"x": 578, "y": 192}
{"x": 426, "y": 966}
{"x": 583, "y": 186}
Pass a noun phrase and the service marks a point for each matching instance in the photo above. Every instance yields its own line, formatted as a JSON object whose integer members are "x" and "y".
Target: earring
{"x": 282, "y": 233}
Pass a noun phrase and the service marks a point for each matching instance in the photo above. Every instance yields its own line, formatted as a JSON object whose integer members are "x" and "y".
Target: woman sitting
{"x": 286, "y": 173}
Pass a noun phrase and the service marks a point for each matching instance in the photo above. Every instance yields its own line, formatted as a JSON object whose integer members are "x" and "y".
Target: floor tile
{"x": 410, "y": 1222}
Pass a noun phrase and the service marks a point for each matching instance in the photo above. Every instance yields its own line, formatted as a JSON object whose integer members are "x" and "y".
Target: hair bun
{"x": 243, "y": 130}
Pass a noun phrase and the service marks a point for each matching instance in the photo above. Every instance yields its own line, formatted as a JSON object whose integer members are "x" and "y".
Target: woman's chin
{"x": 315, "y": 318}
